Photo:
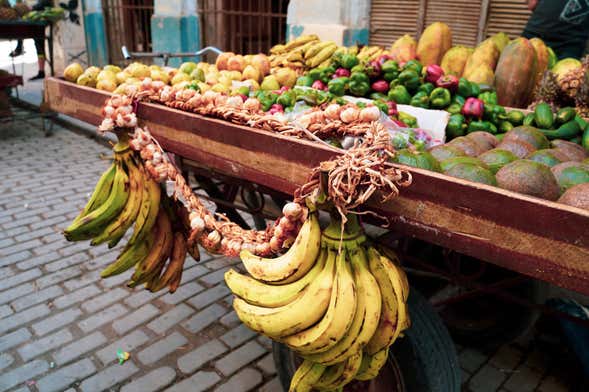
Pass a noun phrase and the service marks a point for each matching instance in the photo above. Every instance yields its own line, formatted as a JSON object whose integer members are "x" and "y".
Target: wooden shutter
{"x": 390, "y": 19}
{"x": 507, "y": 16}
{"x": 462, "y": 17}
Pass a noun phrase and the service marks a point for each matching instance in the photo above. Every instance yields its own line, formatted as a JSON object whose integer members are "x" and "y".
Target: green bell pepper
{"x": 287, "y": 99}
{"x": 454, "y": 108}
{"x": 337, "y": 86}
{"x": 390, "y": 70}
{"x": 465, "y": 88}
{"x": 413, "y": 65}
{"x": 488, "y": 97}
{"x": 382, "y": 106}
{"x": 476, "y": 89}
{"x": 400, "y": 95}
{"x": 456, "y": 126}
{"x": 420, "y": 100}
{"x": 349, "y": 61}
{"x": 494, "y": 113}
{"x": 410, "y": 79}
{"x": 484, "y": 126}
{"x": 408, "y": 119}
{"x": 314, "y": 74}
{"x": 440, "y": 98}
{"x": 459, "y": 100}
{"x": 304, "y": 80}
{"x": 358, "y": 68}
{"x": 427, "y": 88}
{"x": 359, "y": 89}
{"x": 267, "y": 99}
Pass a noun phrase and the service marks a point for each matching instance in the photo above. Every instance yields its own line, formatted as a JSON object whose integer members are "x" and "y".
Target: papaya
{"x": 486, "y": 53}
{"x": 404, "y": 49}
{"x": 576, "y": 196}
{"x": 500, "y": 40}
{"x": 434, "y": 42}
{"x": 496, "y": 158}
{"x": 530, "y": 178}
{"x": 542, "y": 57}
{"x": 483, "y": 74}
{"x": 445, "y": 151}
{"x": 515, "y": 74}
{"x": 552, "y": 59}
{"x": 455, "y": 59}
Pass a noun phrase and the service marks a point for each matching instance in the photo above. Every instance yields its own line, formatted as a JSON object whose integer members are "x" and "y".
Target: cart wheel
{"x": 423, "y": 361}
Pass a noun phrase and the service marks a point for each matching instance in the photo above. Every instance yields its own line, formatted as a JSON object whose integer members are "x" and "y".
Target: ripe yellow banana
{"x": 131, "y": 255}
{"x": 118, "y": 227}
{"x": 329, "y": 376}
{"x": 271, "y": 296}
{"x": 371, "y": 365}
{"x": 322, "y": 56}
{"x": 308, "y": 308}
{"x": 92, "y": 223}
{"x": 366, "y": 317}
{"x": 101, "y": 192}
{"x": 295, "y": 55}
{"x": 292, "y": 265}
{"x": 316, "y": 48}
{"x": 388, "y": 324}
{"x": 305, "y": 376}
{"x": 150, "y": 206}
{"x": 338, "y": 318}
{"x": 300, "y": 41}
{"x": 397, "y": 277}
{"x": 277, "y": 49}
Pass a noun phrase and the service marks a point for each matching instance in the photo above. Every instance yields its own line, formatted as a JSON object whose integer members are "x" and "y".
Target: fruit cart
{"x": 541, "y": 239}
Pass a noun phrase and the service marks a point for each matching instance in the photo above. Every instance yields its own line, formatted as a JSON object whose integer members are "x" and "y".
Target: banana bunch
{"x": 370, "y": 53}
{"x": 304, "y": 51}
{"x": 335, "y": 301}
{"x": 126, "y": 196}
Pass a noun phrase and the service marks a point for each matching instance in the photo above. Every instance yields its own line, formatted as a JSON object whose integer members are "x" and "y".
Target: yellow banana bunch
{"x": 336, "y": 302}
{"x": 127, "y": 196}
{"x": 368, "y": 52}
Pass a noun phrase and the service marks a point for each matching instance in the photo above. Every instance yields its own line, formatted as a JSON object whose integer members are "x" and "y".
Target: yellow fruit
{"x": 155, "y": 67}
{"x": 236, "y": 63}
{"x": 187, "y": 67}
{"x": 204, "y": 66}
{"x": 455, "y": 59}
{"x": 212, "y": 78}
{"x": 121, "y": 89}
{"x": 92, "y": 71}
{"x": 203, "y": 87}
{"x": 106, "y": 85}
{"x": 564, "y": 66}
{"x": 198, "y": 74}
{"x": 254, "y": 85}
{"x": 248, "y": 59}
{"x": 138, "y": 70}
{"x": 501, "y": 40}
{"x": 483, "y": 74}
{"x": 122, "y": 76}
{"x": 286, "y": 76}
{"x": 159, "y": 75}
{"x": 435, "y": 41}
{"x": 86, "y": 80}
{"x": 106, "y": 75}
{"x": 180, "y": 77}
{"x": 112, "y": 68}
{"x": 220, "y": 88}
{"x": 270, "y": 83}
{"x": 72, "y": 72}
{"x": 224, "y": 80}
{"x": 251, "y": 72}
{"x": 222, "y": 60}
{"x": 262, "y": 63}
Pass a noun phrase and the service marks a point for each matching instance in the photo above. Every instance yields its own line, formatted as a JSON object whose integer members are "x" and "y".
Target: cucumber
{"x": 543, "y": 116}
{"x": 585, "y": 139}
{"x": 515, "y": 117}
{"x": 529, "y": 119}
{"x": 564, "y": 115}
{"x": 566, "y": 131}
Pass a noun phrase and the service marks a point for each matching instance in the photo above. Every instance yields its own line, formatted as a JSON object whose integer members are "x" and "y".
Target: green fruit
{"x": 530, "y": 178}
{"x": 187, "y": 67}
{"x": 496, "y": 158}
{"x": 270, "y": 83}
{"x": 472, "y": 172}
{"x": 576, "y": 196}
{"x": 549, "y": 157}
{"x": 449, "y": 163}
{"x": 543, "y": 116}
{"x": 421, "y": 159}
{"x": 528, "y": 134}
{"x": 445, "y": 151}
{"x": 569, "y": 174}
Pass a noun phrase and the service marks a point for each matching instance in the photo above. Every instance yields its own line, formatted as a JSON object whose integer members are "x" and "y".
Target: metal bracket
{"x": 166, "y": 56}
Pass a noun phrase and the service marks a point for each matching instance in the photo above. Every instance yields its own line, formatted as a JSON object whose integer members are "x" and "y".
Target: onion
{"x": 262, "y": 249}
{"x": 292, "y": 210}
{"x": 333, "y": 111}
{"x": 286, "y": 224}
{"x": 349, "y": 114}
{"x": 274, "y": 244}
{"x": 369, "y": 114}
{"x": 214, "y": 237}
{"x": 234, "y": 101}
{"x": 209, "y": 97}
{"x": 252, "y": 104}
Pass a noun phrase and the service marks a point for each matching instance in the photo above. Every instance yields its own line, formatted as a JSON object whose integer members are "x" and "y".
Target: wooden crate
{"x": 539, "y": 238}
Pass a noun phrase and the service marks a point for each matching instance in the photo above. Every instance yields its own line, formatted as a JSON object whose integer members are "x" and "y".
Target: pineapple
{"x": 21, "y": 8}
{"x": 548, "y": 90}
{"x": 582, "y": 97}
{"x": 7, "y": 13}
{"x": 571, "y": 81}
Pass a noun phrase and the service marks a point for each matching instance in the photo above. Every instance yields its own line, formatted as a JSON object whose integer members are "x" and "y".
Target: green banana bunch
{"x": 335, "y": 301}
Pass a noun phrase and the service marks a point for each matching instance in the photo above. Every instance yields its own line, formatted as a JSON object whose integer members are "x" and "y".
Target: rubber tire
{"x": 426, "y": 355}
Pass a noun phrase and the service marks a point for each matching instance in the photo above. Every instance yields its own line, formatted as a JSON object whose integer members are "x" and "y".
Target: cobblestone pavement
{"x": 61, "y": 325}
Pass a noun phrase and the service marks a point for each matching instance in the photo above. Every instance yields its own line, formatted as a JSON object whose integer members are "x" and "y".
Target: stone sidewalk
{"x": 61, "y": 325}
